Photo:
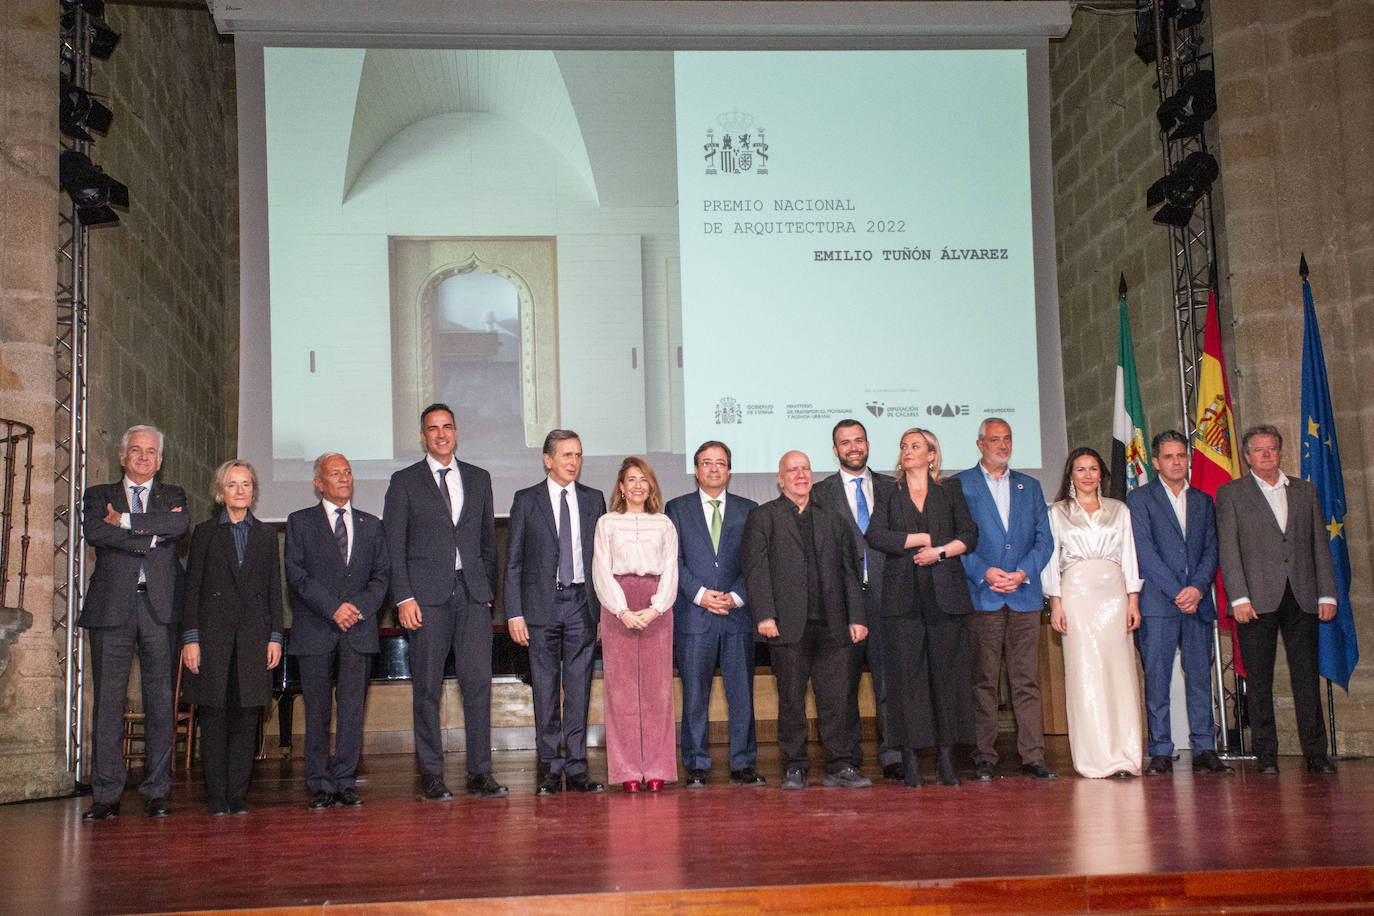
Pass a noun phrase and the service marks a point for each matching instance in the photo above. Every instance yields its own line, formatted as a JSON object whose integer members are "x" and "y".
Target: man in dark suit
{"x": 552, "y": 608}
{"x": 801, "y": 567}
{"x": 711, "y": 624}
{"x": 1176, "y": 549}
{"x": 132, "y": 604}
{"x": 338, "y": 567}
{"x": 1276, "y": 565}
{"x": 1003, "y": 572}
{"x": 855, "y": 494}
{"x": 441, "y": 534}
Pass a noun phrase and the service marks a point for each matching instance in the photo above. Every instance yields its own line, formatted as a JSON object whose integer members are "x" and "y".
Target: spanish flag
{"x": 1216, "y": 457}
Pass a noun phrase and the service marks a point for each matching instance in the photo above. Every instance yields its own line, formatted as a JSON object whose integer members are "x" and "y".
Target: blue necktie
{"x": 861, "y": 504}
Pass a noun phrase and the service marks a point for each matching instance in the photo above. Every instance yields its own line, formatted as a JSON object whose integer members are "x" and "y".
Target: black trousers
{"x": 824, "y": 662}
{"x": 325, "y": 773}
{"x": 561, "y": 656}
{"x": 112, "y": 655}
{"x": 228, "y": 743}
{"x": 874, "y": 650}
{"x": 1258, "y": 647}
{"x": 463, "y": 627}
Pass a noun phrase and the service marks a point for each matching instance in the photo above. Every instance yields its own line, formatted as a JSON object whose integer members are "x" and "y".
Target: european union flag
{"x": 1337, "y": 650}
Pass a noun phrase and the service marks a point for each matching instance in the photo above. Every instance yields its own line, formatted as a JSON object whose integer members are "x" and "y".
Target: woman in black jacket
{"x": 923, "y": 525}
{"x": 231, "y": 633}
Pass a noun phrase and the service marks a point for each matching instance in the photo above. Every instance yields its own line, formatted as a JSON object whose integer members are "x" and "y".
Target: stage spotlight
{"x": 1184, "y": 14}
{"x": 1183, "y": 113}
{"x": 1145, "y": 48}
{"x": 1182, "y": 188}
{"x": 102, "y": 38}
{"x": 77, "y": 111}
{"x": 93, "y": 192}
{"x": 1189, "y": 12}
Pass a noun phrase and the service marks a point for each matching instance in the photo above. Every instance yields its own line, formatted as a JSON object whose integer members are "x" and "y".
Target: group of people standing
{"x": 934, "y": 582}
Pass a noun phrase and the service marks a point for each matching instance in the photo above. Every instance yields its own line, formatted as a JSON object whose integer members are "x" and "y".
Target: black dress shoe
{"x": 99, "y": 811}
{"x": 1208, "y": 762}
{"x": 238, "y": 807}
{"x": 550, "y": 784}
{"x": 1037, "y": 771}
{"x": 745, "y": 777}
{"x": 320, "y": 800}
{"x": 581, "y": 782}
{"x": 1160, "y": 764}
{"x": 696, "y": 779}
{"x": 1320, "y": 763}
{"x": 348, "y": 798}
{"x": 984, "y": 771}
{"x": 1268, "y": 768}
{"x": 432, "y": 788}
{"x": 483, "y": 786}
{"x": 157, "y": 807}
{"x": 218, "y": 809}
{"x": 1123, "y": 774}
{"x": 894, "y": 772}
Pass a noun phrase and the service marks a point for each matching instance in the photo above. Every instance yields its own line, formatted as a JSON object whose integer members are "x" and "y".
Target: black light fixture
{"x": 1184, "y": 14}
{"x": 1183, "y": 113}
{"x": 1181, "y": 189}
{"x": 78, "y": 112}
{"x": 1145, "y": 48}
{"x": 93, "y": 192}
{"x": 102, "y": 38}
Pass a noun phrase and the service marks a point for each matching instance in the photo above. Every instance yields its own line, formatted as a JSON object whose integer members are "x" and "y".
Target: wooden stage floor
{"x": 1180, "y": 843}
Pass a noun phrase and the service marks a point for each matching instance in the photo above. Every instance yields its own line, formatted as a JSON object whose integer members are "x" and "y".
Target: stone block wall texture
{"x": 163, "y": 298}
{"x": 1294, "y": 135}
{"x": 32, "y": 755}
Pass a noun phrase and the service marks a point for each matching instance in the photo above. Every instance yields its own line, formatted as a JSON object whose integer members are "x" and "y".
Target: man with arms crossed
{"x": 710, "y": 622}
{"x": 131, "y": 604}
{"x": 1014, "y": 544}
{"x": 1176, "y": 547}
{"x": 1276, "y": 565}
{"x": 338, "y": 567}
{"x": 552, "y": 608}
{"x": 441, "y": 534}
{"x": 854, "y": 493}
{"x": 802, "y": 572}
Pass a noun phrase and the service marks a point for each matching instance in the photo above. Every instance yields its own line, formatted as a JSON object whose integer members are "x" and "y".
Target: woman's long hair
{"x": 654, "y": 503}
{"x": 932, "y": 443}
{"x": 1066, "y": 483}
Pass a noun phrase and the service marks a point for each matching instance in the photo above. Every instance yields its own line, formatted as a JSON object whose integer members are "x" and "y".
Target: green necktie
{"x": 715, "y": 524}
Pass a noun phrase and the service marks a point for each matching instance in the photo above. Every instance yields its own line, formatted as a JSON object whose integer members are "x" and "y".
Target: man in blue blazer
{"x": 711, "y": 624}
{"x": 1014, "y": 544}
{"x": 441, "y": 534}
{"x": 338, "y": 567}
{"x": 1176, "y": 548}
{"x": 551, "y": 607}
{"x": 131, "y": 605}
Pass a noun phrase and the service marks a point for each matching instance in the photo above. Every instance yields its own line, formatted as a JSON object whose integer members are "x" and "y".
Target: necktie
{"x": 443, "y": 491}
{"x": 136, "y": 505}
{"x": 341, "y": 532}
{"x": 715, "y": 524}
{"x": 861, "y": 507}
{"x": 565, "y": 545}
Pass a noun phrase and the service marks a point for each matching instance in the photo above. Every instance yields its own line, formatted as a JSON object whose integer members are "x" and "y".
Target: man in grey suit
{"x": 801, "y": 570}
{"x": 441, "y": 533}
{"x": 1277, "y": 569}
{"x": 855, "y": 493}
{"x": 132, "y": 604}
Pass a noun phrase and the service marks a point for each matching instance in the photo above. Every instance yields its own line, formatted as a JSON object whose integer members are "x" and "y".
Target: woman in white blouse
{"x": 634, "y": 570}
{"x": 1094, "y": 589}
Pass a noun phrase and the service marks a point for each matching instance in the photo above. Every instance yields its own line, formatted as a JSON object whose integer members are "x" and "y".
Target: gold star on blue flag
{"x": 1337, "y": 650}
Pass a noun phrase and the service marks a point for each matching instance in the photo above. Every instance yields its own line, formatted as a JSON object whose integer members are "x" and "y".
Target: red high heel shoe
{"x": 655, "y": 785}
{"x": 632, "y": 785}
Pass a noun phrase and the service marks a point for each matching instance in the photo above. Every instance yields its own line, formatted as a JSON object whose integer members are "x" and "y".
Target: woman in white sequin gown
{"x": 1094, "y": 587}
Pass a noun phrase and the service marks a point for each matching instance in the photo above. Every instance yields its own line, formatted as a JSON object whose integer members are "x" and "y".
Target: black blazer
{"x": 423, "y": 542}
{"x": 946, "y": 518}
{"x": 119, "y": 553}
{"x": 774, "y": 564}
{"x": 532, "y": 554}
{"x": 235, "y": 609}
{"x": 321, "y": 581}
{"x": 831, "y": 492}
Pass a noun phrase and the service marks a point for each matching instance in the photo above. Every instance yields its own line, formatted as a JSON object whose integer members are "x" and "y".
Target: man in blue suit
{"x": 1014, "y": 544}
{"x": 711, "y": 625}
{"x": 552, "y": 608}
{"x": 1176, "y": 547}
{"x": 338, "y": 567}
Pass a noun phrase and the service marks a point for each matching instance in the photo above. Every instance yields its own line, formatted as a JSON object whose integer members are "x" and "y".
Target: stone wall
{"x": 1293, "y": 136}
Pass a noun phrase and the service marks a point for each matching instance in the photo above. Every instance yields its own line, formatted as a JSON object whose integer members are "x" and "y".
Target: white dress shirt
{"x": 579, "y": 574}
{"x": 454, "y": 481}
{"x": 1180, "y": 503}
{"x": 332, "y": 516}
{"x": 708, "y": 510}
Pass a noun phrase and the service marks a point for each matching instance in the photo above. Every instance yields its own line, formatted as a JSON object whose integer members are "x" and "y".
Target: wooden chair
{"x": 183, "y": 733}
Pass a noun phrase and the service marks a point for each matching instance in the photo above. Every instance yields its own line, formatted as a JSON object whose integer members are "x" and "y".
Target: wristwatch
{"x": 942, "y": 553}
